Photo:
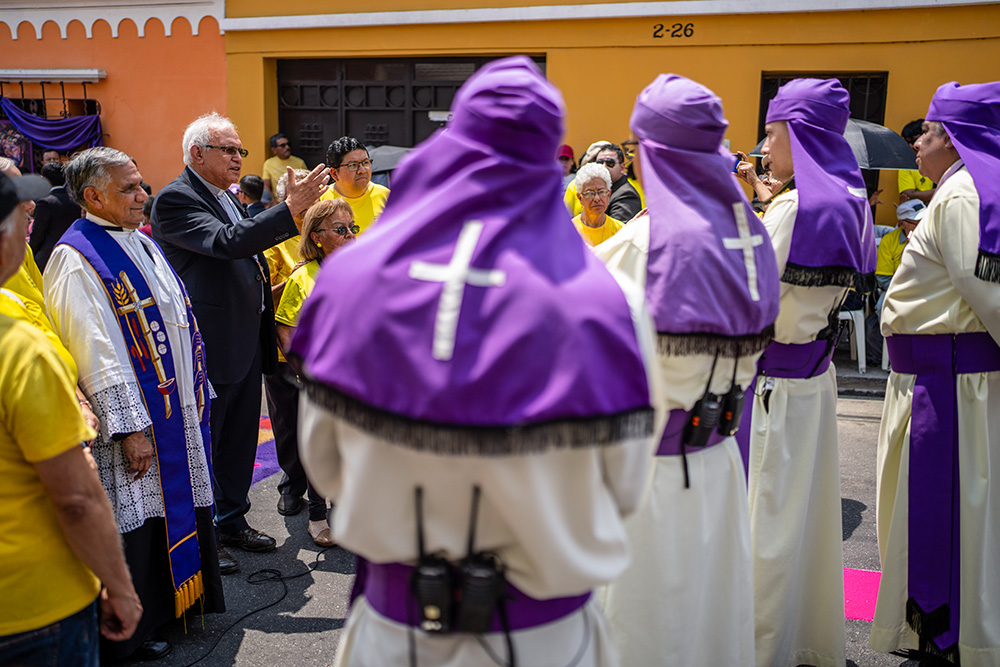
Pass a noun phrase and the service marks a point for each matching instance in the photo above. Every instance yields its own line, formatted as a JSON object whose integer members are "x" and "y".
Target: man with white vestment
{"x": 824, "y": 242}
{"x": 478, "y": 400}
{"x": 711, "y": 283}
{"x": 125, "y": 317}
{"x": 940, "y": 591}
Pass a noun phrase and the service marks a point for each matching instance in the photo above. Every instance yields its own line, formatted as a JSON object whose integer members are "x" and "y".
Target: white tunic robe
{"x": 85, "y": 320}
{"x": 687, "y": 598}
{"x": 935, "y": 291}
{"x": 554, "y": 519}
{"x": 794, "y": 486}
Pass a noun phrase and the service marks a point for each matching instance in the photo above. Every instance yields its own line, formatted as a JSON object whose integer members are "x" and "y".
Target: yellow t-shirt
{"x": 299, "y": 286}
{"x": 281, "y": 259}
{"x": 890, "y": 252}
{"x": 367, "y": 208}
{"x": 911, "y": 179}
{"x": 41, "y": 579}
{"x": 24, "y": 301}
{"x": 573, "y": 203}
{"x": 596, "y": 235}
{"x": 275, "y": 168}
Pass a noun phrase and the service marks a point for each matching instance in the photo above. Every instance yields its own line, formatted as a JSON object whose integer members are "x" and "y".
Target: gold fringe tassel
{"x": 188, "y": 593}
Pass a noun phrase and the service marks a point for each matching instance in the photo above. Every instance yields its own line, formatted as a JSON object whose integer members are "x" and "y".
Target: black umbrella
{"x": 875, "y": 146}
{"x": 385, "y": 158}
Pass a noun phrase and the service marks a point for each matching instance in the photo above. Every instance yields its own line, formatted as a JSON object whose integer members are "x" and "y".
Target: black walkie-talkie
{"x": 732, "y": 406}
{"x": 704, "y": 420}
{"x": 432, "y": 582}
{"x": 481, "y": 582}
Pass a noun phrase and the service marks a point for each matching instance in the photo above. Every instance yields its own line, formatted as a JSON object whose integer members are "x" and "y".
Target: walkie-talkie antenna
{"x": 476, "y": 492}
{"x": 418, "y": 493}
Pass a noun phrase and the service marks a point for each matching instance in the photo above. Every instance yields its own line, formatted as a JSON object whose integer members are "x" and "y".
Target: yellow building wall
{"x": 155, "y": 84}
{"x": 600, "y": 65}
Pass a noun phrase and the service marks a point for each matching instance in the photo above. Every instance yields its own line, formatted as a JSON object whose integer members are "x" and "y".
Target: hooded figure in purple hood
{"x": 711, "y": 282}
{"x": 823, "y": 239}
{"x": 940, "y": 544}
{"x": 478, "y": 398}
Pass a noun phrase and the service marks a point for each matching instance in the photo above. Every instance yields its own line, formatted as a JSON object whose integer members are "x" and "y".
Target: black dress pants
{"x": 235, "y": 424}
{"x": 282, "y": 393}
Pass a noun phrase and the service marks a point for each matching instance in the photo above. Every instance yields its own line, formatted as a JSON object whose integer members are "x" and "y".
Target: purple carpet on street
{"x": 473, "y": 302}
{"x": 833, "y": 238}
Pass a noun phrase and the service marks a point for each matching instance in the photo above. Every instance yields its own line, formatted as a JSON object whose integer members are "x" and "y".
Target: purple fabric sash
{"x": 386, "y": 586}
{"x": 795, "y": 360}
{"x": 670, "y": 443}
{"x": 934, "y": 568}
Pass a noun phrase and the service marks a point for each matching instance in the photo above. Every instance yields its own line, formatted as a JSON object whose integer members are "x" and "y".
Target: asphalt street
{"x": 287, "y": 607}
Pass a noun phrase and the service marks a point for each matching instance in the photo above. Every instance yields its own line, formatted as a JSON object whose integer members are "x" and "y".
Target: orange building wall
{"x": 155, "y": 84}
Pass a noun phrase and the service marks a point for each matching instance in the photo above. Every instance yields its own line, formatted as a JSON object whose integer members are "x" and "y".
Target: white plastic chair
{"x": 857, "y": 320}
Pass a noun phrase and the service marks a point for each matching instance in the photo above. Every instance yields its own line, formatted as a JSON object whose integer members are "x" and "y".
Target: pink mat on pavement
{"x": 860, "y": 593}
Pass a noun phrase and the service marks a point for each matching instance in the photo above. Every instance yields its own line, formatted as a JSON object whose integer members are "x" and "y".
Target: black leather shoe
{"x": 248, "y": 539}
{"x": 289, "y": 505}
{"x": 227, "y": 564}
{"x": 153, "y": 647}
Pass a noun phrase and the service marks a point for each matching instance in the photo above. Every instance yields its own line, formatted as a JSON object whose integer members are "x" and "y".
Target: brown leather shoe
{"x": 227, "y": 564}
{"x": 321, "y": 533}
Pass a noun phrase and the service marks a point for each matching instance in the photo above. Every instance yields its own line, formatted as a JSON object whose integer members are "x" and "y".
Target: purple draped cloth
{"x": 833, "y": 241}
{"x": 472, "y": 319}
{"x": 934, "y": 535}
{"x": 62, "y": 134}
{"x": 971, "y": 117}
{"x": 711, "y": 277}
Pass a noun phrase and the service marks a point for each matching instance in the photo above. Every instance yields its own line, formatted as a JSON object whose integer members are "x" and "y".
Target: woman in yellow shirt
{"x": 593, "y": 188}
{"x": 328, "y": 225}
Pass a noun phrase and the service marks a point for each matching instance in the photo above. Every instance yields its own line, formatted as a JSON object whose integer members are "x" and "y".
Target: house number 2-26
{"x": 661, "y": 30}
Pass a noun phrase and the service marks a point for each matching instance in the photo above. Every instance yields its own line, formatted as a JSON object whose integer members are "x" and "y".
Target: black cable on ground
{"x": 264, "y": 576}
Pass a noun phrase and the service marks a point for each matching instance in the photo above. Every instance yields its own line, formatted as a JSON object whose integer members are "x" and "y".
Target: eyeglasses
{"x": 231, "y": 151}
{"x": 341, "y": 230}
{"x": 609, "y": 163}
{"x": 628, "y": 147}
{"x": 283, "y": 144}
{"x": 590, "y": 194}
{"x": 354, "y": 166}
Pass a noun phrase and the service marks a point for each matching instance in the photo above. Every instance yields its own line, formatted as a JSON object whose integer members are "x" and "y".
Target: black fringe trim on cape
{"x": 928, "y": 625}
{"x": 462, "y": 440}
{"x": 827, "y": 276}
{"x": 988, "y": 266}
{"x": 727, "y": 347}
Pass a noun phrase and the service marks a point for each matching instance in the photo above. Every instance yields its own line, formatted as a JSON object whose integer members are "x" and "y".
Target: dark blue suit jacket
{"x": 223, "y": 272}
{"x": 54, "y": 213}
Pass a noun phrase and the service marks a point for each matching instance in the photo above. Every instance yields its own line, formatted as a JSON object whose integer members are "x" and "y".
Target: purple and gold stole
{"x": 152, "y": 362}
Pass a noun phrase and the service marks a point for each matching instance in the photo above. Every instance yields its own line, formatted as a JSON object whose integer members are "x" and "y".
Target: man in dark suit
{"x": 203, "y": 231}
{"x": 624, "y": 203}
{"x": 54, "y": 213}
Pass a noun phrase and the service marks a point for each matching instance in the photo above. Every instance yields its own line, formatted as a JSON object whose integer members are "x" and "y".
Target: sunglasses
{"x": 341, "y": 230}
{"x": 628, "y": 147}
{"x": 231, "y": 151}
{"x": 609, "y": 163}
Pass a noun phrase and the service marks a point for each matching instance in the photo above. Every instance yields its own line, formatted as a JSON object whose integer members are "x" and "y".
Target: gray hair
{"x": 6, "y": 165}
{"x": 92, "y": 169}
{"x": 199, "y": 132}
{"x": 591, "y": 171}
{"x": 281, "y": 189}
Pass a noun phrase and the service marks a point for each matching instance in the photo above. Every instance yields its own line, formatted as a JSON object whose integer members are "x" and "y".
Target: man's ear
{"x": 93, "y": 198}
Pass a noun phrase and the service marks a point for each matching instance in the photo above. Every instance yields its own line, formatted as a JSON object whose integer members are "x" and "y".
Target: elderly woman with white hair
{"x": 593, "y": 188}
